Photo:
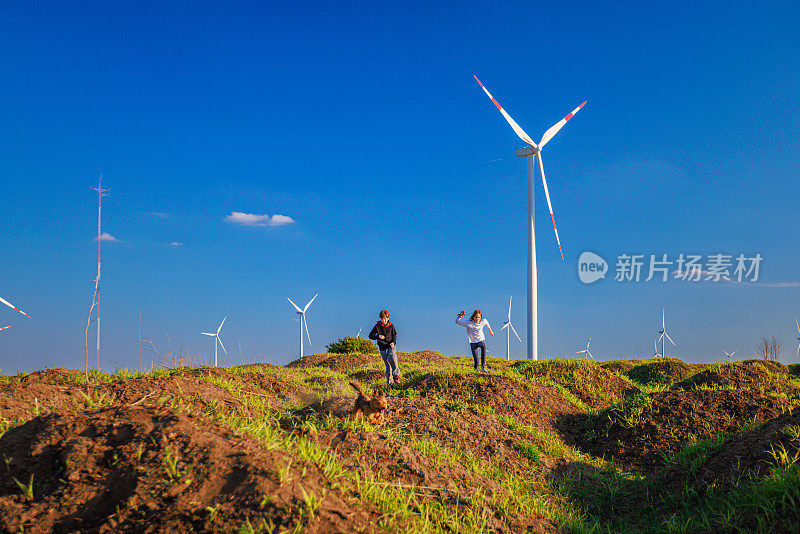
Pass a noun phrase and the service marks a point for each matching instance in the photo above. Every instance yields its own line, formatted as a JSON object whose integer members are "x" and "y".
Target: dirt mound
{"x": 752, "y": 375}
{"x": 425, "y": 357}
{"x": 337, "y": 362}
{"x": 533, "y": 404}
{"x": 43, "y": 393}
{"x": 753, "y": 450}
{"x": 618, "y": 366}
{"x": 593, "y": 385}
{"x": 54, "y": 376}
{"x": 661, "y": 371}
{"x": 347, "y": 362}
{"x": 774, "y": 367}
{"x": 646, "y": 430}
{"x": 450, "y": 485}
{"x": 145, "y": 470}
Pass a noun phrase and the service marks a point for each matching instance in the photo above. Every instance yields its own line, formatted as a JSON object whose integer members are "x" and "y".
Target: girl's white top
{"x": 474, "y": 330}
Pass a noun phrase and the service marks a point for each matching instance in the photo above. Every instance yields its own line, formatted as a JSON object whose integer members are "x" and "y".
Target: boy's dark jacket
{"x": 389, "y": 334}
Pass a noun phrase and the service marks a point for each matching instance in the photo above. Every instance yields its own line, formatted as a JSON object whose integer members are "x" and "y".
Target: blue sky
{"x": 363, "y": 124}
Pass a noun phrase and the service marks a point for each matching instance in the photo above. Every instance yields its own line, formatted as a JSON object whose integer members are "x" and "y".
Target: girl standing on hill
{"x": 474, "y": 328}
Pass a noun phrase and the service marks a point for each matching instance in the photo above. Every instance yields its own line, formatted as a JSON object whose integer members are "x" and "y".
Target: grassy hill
{"x": 549, "y": 446}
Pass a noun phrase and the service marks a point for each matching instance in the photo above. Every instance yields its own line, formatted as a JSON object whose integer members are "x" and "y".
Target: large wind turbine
{"x": 533, "y": 154}
{"x": 510, "y": 327}
{"x": 216, "y": 340}
{"x": 303, "y": 322}
{"x": 664, "y": 334}
{"x": 4, "y": 301}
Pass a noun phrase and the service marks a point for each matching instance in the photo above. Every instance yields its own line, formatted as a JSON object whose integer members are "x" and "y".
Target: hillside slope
{"x": 556, "y": 445}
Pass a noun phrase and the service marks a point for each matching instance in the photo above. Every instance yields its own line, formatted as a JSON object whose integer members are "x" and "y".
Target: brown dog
{"x": 372, "y": 408}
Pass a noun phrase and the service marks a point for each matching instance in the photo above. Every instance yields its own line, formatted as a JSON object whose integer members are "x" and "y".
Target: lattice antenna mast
{"x": 100, "y": 194}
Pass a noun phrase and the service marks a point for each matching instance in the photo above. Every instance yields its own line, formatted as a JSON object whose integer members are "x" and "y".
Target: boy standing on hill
{"x": 384, "y": 333}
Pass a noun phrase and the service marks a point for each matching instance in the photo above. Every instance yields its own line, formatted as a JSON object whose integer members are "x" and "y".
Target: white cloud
{"x": 175, "y": 244}
{"x": 253, "y": 219}
{"x": 159, "y": 214}
{"x": 106, "y": 237}
{"x": 279, "y": 220}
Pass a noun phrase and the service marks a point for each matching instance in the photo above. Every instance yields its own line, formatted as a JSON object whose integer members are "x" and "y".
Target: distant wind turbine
{"x": 533, "y": 154}
{"x": 510, "y": 327}
{"x": 730, "y": 355}
{"x": 586, "y": 350}
{"x": 664, "y": 334}
{"x": 797, "y": 353}
{"x": 4, "y": 301}
{"x": 303, "y": 322}
{"x": 217, "y": 339}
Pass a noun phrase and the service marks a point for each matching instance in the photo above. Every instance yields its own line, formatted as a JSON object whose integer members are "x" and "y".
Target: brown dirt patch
{"x": 645, "y": 430}
{"x": 146, "y": 470}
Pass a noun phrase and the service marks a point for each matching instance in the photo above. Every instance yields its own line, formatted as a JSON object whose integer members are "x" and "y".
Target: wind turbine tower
{"x": 303, "y": 323}
{"x": 217, "y": 339}
{"x": 664, "y": 334}
{"x": 533, "y": 154}
{"x": 510, "y": 328}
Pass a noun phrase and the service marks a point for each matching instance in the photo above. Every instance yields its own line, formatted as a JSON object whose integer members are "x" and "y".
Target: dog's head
{"x": 379, "y": 401}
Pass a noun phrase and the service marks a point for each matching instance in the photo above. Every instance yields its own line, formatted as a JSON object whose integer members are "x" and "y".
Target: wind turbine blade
{"x": 515, "y": 332}
{"x": 590, "y": 354}
{"x": 798, "y": 351}
{"x": 221, "y": 345}
{"x": 207, "y": 334}
{"x": 504, "y": 326}
{"x": 670, "y": 339}
{"x": 305, "y": 323}
{"x": 549, "y": 206}
{"x": 9, "y": 326}
{"x": 222, "y": 323}
{"x": 309, "y": 302}
{"x": 519, "y": 131}
{"x": 296, "y": 307}
{"x": 660, "y": 338}
{"x": 4, "y": 301}
{"x": 798, "y": 325}
{"x": 734, "y": 352}
{"x": 509, "y": 307}
{"x": 557, "y": 126}
{"x": 662, "y": 320}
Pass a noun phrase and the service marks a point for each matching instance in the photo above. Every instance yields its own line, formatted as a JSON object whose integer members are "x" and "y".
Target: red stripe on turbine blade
{"x": 568, "y": 117}
{"x": 556, "y": 231}
{"x": 496, "y": 103}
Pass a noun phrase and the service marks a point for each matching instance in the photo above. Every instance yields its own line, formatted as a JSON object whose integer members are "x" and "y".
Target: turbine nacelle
{"x": 527, "y": 151}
